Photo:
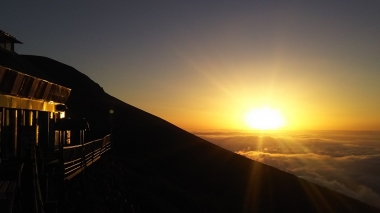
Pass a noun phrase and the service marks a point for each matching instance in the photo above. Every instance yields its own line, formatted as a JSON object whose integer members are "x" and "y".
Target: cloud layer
{"x": 344, "y": 161}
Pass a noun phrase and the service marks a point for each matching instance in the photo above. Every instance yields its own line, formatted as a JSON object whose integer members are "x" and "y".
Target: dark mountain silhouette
{"x": 166, "y": 169}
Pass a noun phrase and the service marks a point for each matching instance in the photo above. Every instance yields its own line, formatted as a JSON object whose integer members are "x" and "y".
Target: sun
{"x": 264, "y": 119}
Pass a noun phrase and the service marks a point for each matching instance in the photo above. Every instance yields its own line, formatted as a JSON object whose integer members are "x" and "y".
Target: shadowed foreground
{"x": 155, "y": 166}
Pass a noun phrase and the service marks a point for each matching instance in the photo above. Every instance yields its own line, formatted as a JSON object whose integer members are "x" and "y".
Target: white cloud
{"x": 331, "y": 172}
{"x": 347, "y": 162}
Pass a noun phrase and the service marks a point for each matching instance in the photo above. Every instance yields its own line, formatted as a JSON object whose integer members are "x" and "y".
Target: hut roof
{"x": 9, "y": 37}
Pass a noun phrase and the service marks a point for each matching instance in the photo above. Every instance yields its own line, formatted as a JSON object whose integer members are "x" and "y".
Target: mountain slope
{"x": 170, "y": 170}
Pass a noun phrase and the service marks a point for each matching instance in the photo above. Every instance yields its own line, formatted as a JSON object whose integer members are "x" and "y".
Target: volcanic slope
{"x": 171, "y": 170}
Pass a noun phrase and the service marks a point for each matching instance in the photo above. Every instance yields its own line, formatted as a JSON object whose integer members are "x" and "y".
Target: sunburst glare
{"x": 264, "y": 119}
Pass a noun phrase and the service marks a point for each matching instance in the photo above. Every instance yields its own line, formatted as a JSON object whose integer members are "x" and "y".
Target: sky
{"x": 205, "y": 64}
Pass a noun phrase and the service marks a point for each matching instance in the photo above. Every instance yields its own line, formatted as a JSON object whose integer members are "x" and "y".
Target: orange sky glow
{"x": 204, "y": 65}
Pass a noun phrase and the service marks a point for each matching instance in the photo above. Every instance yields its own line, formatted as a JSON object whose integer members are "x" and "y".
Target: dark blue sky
{"x": 203, "y": 64}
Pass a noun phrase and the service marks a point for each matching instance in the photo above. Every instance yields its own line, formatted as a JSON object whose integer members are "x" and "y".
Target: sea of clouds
{"x": 344, "y": 161}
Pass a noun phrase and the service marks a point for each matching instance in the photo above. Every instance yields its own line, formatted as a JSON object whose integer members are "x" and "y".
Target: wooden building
{"x": 30, "y": 104}
{"x": 33, "y": 129}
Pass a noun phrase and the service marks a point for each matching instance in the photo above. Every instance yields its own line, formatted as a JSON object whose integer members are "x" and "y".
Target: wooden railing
{"x": 77, "y": 158}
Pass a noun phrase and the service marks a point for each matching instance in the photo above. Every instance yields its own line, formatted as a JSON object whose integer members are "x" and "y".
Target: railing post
{"x": 92, "y": 156}
{"x": 83, "y": 177}
{"x": 37, "y": 190}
